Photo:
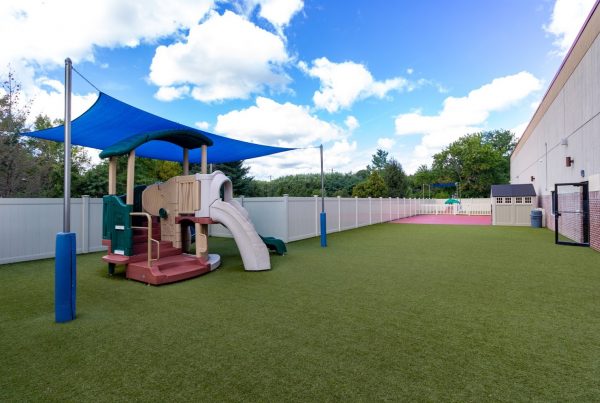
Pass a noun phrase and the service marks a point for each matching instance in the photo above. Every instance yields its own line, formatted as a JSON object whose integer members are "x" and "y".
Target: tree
{"x": 395, "y": 179}
{"x": 238, "y": 173}
{"x": 16, "y": 163}
{"x": 379, "y": 160}
{"x": 374, "y": 186}
{"x": 475, "y": 161}
{"x": 49, "y": 158}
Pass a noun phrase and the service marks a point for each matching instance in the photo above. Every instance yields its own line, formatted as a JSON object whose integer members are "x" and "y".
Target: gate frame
{"x": 585, "y": 204}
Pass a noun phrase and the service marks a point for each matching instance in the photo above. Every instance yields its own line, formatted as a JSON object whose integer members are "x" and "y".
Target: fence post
{"x": 242, "y": 200}
{"x": 356, "y": 208}
{"x": 286, "y": 208}
{"x": 339, "y": 213}
{"x": 316, "y": 197}
{"x": 370, "y": 212}
{"x": 85, "y": 224}
{"x": 390, "y": 209}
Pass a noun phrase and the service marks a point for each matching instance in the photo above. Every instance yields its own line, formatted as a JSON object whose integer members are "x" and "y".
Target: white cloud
{"x": 464, "y": 115}
{"x": 385, "y": 143}
{"x": 566, "y": 21}
{"x": 284, "y": 125}
{"x": 45, "y": 32}
{"x": 410, "y": 70}
{"x": 290, "y": 125}
{"x": 519, "y": 129}
{"x": 279, "y": 12}
{"x": 202, "y": 125}
{"x": 344, "y": 83}
{"x": 49, "y": 99}
{"x": 225, "y": 57}
{"x": 171, "y": 93}
{"x": 351, "y": 123}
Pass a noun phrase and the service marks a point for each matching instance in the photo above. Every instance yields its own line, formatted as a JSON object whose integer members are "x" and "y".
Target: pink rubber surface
{"x": 447, "y": 220}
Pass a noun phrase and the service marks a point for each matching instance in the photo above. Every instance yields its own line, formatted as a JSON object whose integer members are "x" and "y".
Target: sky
{"x": 408, "y": 77}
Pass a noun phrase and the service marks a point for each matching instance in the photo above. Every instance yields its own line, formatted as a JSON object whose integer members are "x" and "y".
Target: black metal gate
{"x": 571, "y": 208}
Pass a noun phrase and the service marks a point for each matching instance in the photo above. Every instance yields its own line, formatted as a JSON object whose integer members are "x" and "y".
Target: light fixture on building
{"x": 569, "y": 161}
{"x": 564, "y": 142}
{"x": 532, "y": 178}
{"x": 583, "y": 173}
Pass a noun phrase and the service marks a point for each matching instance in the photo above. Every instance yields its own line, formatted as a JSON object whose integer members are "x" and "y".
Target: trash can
{"x": 536, "y": 218}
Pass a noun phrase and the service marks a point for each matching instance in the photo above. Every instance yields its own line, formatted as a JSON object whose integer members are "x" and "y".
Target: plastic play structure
{"x": 147, "y": 230}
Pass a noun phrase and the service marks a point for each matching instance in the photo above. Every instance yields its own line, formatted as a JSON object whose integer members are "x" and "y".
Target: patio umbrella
{"x": 452, "y": 201}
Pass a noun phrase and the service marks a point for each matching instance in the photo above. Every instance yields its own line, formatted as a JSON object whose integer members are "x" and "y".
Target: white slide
{"x": 255, "y": 254}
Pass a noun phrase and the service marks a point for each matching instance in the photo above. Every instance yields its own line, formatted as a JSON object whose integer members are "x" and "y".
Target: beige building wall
{"x": 572, "y": 118}
{"x": 567, "y": 124}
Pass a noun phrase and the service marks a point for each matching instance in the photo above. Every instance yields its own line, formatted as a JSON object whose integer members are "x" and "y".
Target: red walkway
{"x": 447, "y": 219}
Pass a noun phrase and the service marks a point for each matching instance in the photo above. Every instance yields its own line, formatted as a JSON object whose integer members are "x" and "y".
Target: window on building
{"x": 499, "y": 200}
{"x": 518, "y": 200}
{"x": 527, "y": 199}
{"x": 507, "y": 200}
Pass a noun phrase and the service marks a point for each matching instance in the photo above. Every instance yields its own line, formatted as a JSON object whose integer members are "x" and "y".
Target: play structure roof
{"x": 110, "y": 121}
{"x": 183, "y": 138}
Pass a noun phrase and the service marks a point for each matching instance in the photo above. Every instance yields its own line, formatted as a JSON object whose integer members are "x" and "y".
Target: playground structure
{"x": 149, "y": 231}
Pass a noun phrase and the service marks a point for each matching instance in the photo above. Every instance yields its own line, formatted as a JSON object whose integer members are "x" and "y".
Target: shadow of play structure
{"x": 148, "y": 229}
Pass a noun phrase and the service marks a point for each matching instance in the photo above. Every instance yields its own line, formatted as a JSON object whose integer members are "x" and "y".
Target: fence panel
{"x": 364, "y": 215}
{"x": 303, "y": 217}
{"x": 29, "y": 227}
{"x": 333, "y": 219}
{"x": 347, "y": 213}
{"x": 375, "y": 210}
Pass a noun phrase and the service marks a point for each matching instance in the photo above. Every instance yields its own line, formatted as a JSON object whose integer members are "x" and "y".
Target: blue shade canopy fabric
{"x": 183, "y": 138}
{"x": 109, "y": 121}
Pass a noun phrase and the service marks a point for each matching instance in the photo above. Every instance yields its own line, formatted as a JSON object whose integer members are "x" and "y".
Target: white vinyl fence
{"x": 294, "y": 218}
{"x": 466, "y": 207}
{"x": 28, "y": 227}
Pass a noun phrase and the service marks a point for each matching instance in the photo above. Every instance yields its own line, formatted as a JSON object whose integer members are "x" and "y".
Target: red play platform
{"x": 447, "y": 219}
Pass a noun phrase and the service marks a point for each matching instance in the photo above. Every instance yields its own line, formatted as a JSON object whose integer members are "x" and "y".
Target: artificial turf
{"x": 387, "y": 312}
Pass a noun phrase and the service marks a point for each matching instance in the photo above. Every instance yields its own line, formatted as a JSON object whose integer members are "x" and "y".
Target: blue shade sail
{"x": 109, "y": 121}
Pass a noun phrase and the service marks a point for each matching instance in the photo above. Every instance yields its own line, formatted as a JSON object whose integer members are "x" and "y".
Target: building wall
{"x": 567, "y": 124}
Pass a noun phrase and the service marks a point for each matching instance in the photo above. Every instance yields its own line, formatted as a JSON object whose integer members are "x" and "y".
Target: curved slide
{"x": 255, "y": 254}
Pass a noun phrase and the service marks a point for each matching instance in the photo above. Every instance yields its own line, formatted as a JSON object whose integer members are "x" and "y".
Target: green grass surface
{"x": 388, "y": 312}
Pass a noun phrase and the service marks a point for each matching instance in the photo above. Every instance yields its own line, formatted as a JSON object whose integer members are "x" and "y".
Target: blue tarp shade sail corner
{"x": 110, "y": 121}
{"x": 183, "y": 138}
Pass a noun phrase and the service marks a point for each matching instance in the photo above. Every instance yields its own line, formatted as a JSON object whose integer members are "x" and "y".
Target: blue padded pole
{"x": 323, "y": 214}
{"x": 65, "y": 261}
{"x": 65, "y": 278}
{"x": 323, "y": 229}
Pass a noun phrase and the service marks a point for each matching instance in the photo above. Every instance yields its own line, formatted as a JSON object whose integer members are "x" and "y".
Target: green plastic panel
{"x": 116, "y": 224}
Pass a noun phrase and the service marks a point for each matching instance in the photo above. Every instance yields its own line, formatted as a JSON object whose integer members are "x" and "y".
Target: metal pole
{"x": 67, "y": 189}
{"x": 322, "y": 182}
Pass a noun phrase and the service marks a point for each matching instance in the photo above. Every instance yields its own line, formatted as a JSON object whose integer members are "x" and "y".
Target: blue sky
{"x": 406, "y": 76}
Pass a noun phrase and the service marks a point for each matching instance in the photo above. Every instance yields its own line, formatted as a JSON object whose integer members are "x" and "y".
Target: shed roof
{"x": 524, "y": 189}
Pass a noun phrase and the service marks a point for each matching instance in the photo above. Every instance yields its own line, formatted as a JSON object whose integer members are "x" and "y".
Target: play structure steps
{"x": 167, "y": 269}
